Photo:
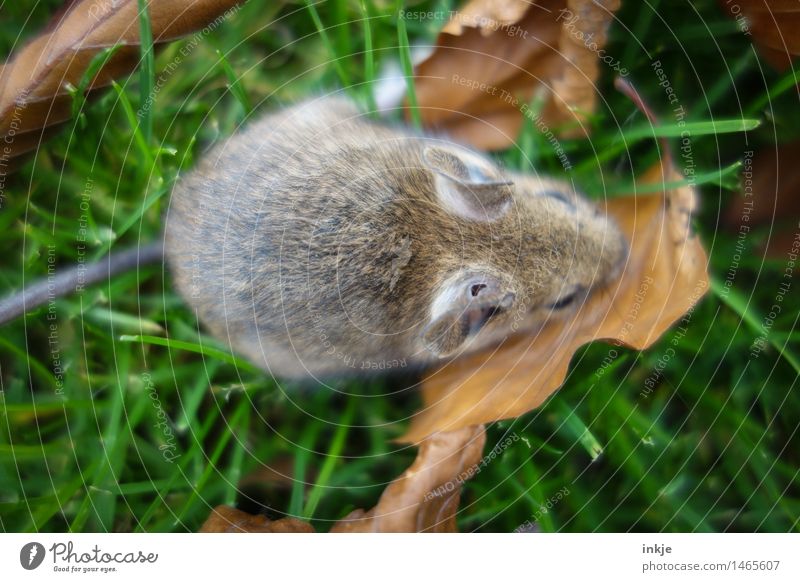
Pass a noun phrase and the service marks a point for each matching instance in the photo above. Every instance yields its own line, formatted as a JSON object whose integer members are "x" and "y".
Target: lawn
{"x": 108, "y": 426}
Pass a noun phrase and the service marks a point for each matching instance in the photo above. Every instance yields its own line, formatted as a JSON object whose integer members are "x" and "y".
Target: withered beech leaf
{"x": 425, "y": 497}
{"x": 34, "y": 83}
{"x": 665, "y": 275}
{"x": 770, "y": 198}
{"x": 224, "y": 519}
{"x": 774, "y": 25}
{"x": 486, "y": 16}
{"x": 493, "y": 56}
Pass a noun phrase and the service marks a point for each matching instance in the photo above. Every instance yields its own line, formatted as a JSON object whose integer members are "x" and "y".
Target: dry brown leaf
{"x": 423, "y": 499}
{"x": 493, "y": 56}
{"x": 486, "y": 16}
{"x": 34, "y": 82}
{"x": 770, "y": 197}
{"x": 774, "y": 24}
{"x": 224, "y": 519}
{"x": 664, "y": 277}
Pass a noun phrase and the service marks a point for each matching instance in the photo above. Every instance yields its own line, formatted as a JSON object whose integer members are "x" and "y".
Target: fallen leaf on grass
{"x": 35, "y": 82}
{"x": 486, "y": 16}
{"x": 770, "y": 198}
{"x": 224, "y": 519}
{"x": 664, "y": 277}
{"x": 773, "y": 24}
{"x": 492, "y": 57}
{"x": 423, "y": 499}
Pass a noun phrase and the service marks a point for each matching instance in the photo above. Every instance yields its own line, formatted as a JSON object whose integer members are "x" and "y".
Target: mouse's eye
{"x": 560, "y": 196}
{"x": 566, "y": 300}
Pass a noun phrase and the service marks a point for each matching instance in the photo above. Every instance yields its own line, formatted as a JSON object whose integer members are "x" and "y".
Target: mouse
{"x": 320, "y": 243}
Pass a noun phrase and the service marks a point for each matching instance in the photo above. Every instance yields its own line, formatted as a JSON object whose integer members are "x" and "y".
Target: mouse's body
{"x": 316, "y": 242}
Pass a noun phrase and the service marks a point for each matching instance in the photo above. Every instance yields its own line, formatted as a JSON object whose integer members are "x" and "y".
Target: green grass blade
{"x": 146, "y": 72}
{"x": 209, "y": 351}
{"x": 194, "y": 454}
{"x": 131, "y": 220}
{"x": 789, "y": 81}
{"x": 302, "y": 456}
{"x": 193, "y": 397}
{"x": 126, "y": 321}
{"x": 331, "y": 459}
{"x": 211, "y": 464}
{"x": 530, "y": 138}
{"x": 408, "y": 68}
{"x": 369, "y": 57}
{"x": 575, "y": 428}
{"x": 40, "y": 370}
{"x": 690, "y": 129}
{"x": 722, "y": 86}
{"x": 326, "y": 41}
{"x": 139, "y": 138}
{"x": 711, "y": 177}
{"x": 235, "y": 85}
{"x": 95, "y": 65}
{"x": 234, "y": 472}
{"x": 644, "y": 20}
{"x": 741, "y": 306}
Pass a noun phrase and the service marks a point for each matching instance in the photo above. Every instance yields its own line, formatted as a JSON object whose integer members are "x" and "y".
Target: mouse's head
{"x": 512, "y": 251}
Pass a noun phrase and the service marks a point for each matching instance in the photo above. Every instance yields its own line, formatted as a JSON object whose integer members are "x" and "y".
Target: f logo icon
{"x": 31, "y": 555}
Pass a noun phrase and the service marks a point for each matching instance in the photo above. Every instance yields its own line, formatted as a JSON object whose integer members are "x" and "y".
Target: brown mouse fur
{"x": 316, "y": 242}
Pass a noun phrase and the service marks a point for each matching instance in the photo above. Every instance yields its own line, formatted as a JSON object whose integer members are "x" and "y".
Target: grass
{"x": 712, "y": 446}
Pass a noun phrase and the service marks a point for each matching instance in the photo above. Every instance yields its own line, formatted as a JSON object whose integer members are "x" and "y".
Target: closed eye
{"x": 567, "y": 299}
{"x": 564, "y": 301}
{"x": 560, "y": 196}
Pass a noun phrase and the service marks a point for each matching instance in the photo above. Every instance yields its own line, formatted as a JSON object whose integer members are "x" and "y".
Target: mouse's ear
{"x": 461, "y": 310}
{"x": 467, "y": 184}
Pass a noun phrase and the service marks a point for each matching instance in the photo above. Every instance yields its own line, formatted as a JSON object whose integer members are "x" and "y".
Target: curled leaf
{"x": 493, "y": 57}
{"x": 35, "y": 83}
{"x": 665, "y": 275}
{"x": 425, "y": 497}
